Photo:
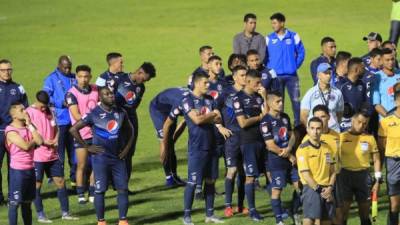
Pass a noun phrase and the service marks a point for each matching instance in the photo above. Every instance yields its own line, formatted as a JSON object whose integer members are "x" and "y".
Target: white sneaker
{"x": 68, "y": 216}
{"x": 297, "y": 219}
{"x": 213, "y": 219}
{"x": 280, "y": 223}
{"x": 82, "y": 200}
{"x": 91, "y": 199}
{"x": 44, "y": 220}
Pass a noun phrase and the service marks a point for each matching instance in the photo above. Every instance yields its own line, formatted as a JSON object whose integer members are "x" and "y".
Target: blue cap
{"x": 323, "y": 67}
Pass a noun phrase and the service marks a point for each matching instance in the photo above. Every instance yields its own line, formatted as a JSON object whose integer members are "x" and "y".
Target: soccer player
{"x": 200, "y": 116}
{"x": 249, "y": 106}
{"x": 233, "y": 155}
{"x": 233, "y": 61}
{"x": 389, "y": 143}
{"x": 56, "y": 85}
{"x": 356, "y": 151}
{"x": 130, "y": 91}
{"x": 354, "y": 92}
{"x": 21, "y": 139}
{"x": 316, "y": 165}
{"x": 342, "y": 58}
{"x": 285, "y": 54}
{"x": 45, "y": 156}
{"x": 383, "y": 91}
{"x": 376, "y": 61}
{"x": 10, "y": 93}
{"x": 323, "y": 93}
{"x": 81, "y": 99}
{"x": 279, "y": 139}
{"x": 163, "y": 109}
{"x": 395, "y": 22}
{"x": 374, "y": 40}
{"x": 112, "y": 139}
{"x": 269, "y": 78}
{"x": 249, "y": 38}
{"x": 391, "y": 46}
{"x": 110, "y": 78}
{"x": 328, "y": 54}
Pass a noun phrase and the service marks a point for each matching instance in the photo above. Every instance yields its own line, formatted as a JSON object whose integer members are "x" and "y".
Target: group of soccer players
{"x": 345, "y": 126}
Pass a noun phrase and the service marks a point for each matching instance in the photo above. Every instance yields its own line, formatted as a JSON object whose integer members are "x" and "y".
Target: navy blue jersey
{"x": 277, "y": 129}
{"x": 201, "y": 137}
{"x": 369, "y": 81}
{"x": 269, "y": 80}
{"x": 106, "y": 128}
{"x": 355, "y": 94}
{"x": 10, "y": 93}
{"x": 110, "y": 80}
{"x": 248, "y": 106}
{"x": 225, "y": 105}
{"x": 366, "y": 59}
{"x": 229, "y": 79}
{"x": 169, "y": 99}
{"x": 215, "y": 91}
{"x": 200, "y": 69}
{"x": 129, "y": 94}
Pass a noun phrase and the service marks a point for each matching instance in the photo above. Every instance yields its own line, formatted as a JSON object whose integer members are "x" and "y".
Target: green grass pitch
{"x": 34, "y": 33}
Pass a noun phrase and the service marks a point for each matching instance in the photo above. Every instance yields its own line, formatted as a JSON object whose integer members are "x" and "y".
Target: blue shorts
{"x": 158, "y": 119}
{"x": 281, "y": 177}
{"x": 105, "y": 169}
{"x": 233, "y": 155}
{"x": 78, "y": 145}
{"x": 253, "y": 158}
{"x": 52, "y": 169}
{"x": 201, "y": 165}
{"x": 22, "y": 185}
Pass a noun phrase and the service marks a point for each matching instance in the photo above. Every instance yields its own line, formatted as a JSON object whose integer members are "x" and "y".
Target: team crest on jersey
{"x": 288, "y": 41}
{"x": 264, "y": 128}
{"x": 285, "y": 121}
{"x": 130, "y": 97}
{"x": 259, "y": 100}
{"x": 360, "y": 87}
{"x": 112, "y": 126}
{"x": 138, "y": 89}
{"x": 13, "y": 92}
{"x": 214, "y": 94}
{"x": 219, "y": 87}
{"x": 116, "y": 115}
{"x": 236, "y": 105}
{"x": 176, "y": 111}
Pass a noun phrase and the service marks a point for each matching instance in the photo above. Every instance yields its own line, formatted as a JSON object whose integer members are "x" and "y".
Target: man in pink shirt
{"x": 81, "y": 99}
{"x": 46, "y": 158}
{"x": 21, "y": 139}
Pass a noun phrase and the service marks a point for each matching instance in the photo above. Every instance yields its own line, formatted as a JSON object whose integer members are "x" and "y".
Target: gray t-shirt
{"x": 241, "y": 44}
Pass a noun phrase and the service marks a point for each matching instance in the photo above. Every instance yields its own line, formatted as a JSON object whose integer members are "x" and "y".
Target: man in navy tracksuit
{"x": 10, "y": 93}
{"x": 285, "y": 54}
{"x": 56, "y": 85}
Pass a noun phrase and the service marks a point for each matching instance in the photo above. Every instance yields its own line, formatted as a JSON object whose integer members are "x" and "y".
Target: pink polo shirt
{"x": 46, "y": 126}
{"x": 20, "y": 159}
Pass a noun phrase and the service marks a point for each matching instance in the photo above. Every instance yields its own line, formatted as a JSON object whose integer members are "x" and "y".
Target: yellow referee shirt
{"x": 355, "y": 151}
{"x": 390, "y": 129}
{"x": 315, "y": 160}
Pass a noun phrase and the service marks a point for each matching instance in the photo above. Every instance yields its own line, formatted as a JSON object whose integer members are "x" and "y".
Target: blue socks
{"x": 99, "y": 205}
{"x": 277, "y": 209}
{"x": 38, "y": 201}
{"x": 240, "y": 189}
{"x": 188, "y": 198}
{"x": 249, "y": 190}
{"x": 91, "y": 190}
{"x": 209, "y": 190}
{"x": 229, "y": 187}
{"x": 63, "y": 198}
{"x": 122, "y": 200}
{"x": 80, "y": 191}
{"x": 296, "y": 202}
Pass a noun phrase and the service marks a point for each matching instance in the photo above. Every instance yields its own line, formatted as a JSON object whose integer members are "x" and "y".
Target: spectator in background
{"x": 374, "y": 40}
{"x": 395, "y": 22}
{"x": 328, "y": 47}
{"x": 249, "y": 38}
{"x": 56, "y": 85}
{"x": 285, "y": 54}
{"x": 391, "y": 46}
{"x": 342, "y": 58}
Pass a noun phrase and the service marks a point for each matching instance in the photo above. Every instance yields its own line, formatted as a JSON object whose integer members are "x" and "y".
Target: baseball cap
{"x": 373, "y": 36}
{"x": 323, "y": 67}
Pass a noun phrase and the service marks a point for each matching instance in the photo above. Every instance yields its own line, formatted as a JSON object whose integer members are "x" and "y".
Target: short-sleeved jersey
{"x": 190, "y": 85}
{"x": 317, "y": 161}
{"x": 129, "y": 94}
{"x": 169, "y": 99}
{"x": 333, "y": 99}
{"x": 390, "y": 128}
{"x": 225, "y": 105}
{"x": 269, "y": 80}
{"x": 110, "y": 80}
{"x": 383, "y": 93}
{"x": 106, "y": 128}
{"x": 248, "y": 106}
{"x": 10, "y": 93}
{"x": 201, "y": 137}
{"x": 354, "y": 94}
{"x": 355, "y": 151}
{"x": 19, "y": 158}
{"x": 277, "y": 129}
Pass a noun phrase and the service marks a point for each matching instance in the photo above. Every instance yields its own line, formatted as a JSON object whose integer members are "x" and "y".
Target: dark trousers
{"x": 66, "y": 144}
{"x": 292, "y": 84}
{"x": 394, "y": 31}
